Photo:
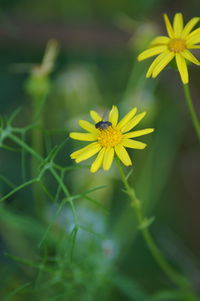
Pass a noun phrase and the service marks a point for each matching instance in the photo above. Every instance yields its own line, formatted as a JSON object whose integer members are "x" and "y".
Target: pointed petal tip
{"x": 185, "y": 81}
{"x": 71, "y": 135}
{"x": 80, "y": 122}
{"x": 179, "y": 13}
{"x": 114, "y": 108}
{"x": 154, "y": 75}
{"x": 128, "y": 163}
{"x": 151, "y": 130}
{"x": 106, "y": 168}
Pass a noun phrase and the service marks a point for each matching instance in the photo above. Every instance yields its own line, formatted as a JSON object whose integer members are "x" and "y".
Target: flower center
{"x": 109, "y": 137}
{"x": 176, "y": 45}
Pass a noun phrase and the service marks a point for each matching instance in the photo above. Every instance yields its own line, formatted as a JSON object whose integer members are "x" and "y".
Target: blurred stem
{"x": 37, "y": 145}
{"x": 67, "y": 194}
{"x": 175, "y": 277}
{"x": 26, "y": 147}
{"x": 37, "y": 134}
{"x": 191, "y": 108}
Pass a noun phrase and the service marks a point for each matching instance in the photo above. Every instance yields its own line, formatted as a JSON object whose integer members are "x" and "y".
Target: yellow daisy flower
{"x": 180, "y": 39}
{"x": 109, "y": 137}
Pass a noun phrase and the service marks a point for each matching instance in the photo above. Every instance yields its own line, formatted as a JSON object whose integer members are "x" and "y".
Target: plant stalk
{"x": 192, "y": 111}
{"x": 175, "y": 277}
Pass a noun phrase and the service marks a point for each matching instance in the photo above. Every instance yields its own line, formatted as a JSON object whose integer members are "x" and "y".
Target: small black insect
{"x": 102, "y": 125}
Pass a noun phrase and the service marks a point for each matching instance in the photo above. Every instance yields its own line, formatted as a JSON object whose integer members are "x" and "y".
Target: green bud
{"x": 37, "y": 86}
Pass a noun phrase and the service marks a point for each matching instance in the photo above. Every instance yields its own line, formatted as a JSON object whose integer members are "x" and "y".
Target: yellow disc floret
{"x": 109, "y": 137}
{"x": 176, "y": 45}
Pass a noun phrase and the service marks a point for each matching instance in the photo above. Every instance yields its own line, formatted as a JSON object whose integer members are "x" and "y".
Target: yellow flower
{"x": 180, "y": 39}
{"x": 109, "y": 137}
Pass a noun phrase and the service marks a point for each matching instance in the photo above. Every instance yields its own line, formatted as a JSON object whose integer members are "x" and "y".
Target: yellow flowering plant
{"x": 180, "y": 40}
{"x": 109, "y": 137}
{"x": 177, "y": 45}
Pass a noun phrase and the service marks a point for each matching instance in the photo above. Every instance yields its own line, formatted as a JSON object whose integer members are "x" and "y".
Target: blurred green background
{"x": 96, "y": 67}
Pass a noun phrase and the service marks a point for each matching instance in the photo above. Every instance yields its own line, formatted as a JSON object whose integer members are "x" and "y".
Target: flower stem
{"x": 37, "y": 144}
{"x": 191, "y": 108}
{"x": 175, "y": 277}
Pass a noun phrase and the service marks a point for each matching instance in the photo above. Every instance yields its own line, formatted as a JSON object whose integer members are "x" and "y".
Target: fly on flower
{"x": 180, "y": 40}
{"x": 109, "y": 137}
{"x": 103, "y": 125}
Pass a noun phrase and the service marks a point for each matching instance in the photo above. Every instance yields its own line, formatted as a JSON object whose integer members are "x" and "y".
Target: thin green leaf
{"x": 16, "y": 291}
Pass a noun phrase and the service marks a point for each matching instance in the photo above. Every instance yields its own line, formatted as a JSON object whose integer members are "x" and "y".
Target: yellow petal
{"x": 95, "y": 116}
{"x": 113, "y": 116}
{"x": 161, "y": 40}
{"x": 195, "y": 39}
{"x": 88, "y": 153}
{"x": 123, "y": 155}
{"x": 75, "y": 154}
{"x": 154, "y": 64}
{"x": 168, "y": 27}
{"x": 83, "y": 136}
{"x": 138, "y": 133}
{"x": 108, "y": 158}
{"x": 190, "y": 57}
{"x": 182, "y": 67}
{"x": 133, "y": 144}
{"x": 133, "y": 122}
{"x": 178, "y": 25}
{"x": 126, "y": 118}
{"x": 189, "y": 26}
{"x": 194, "y": 47}
{"x": 151, "y": 52}
{"x": 193, "y": 33}
{"x": 98, "y": 161}
{"x": 163, "y": 63}
{"x": 87, "y": 126}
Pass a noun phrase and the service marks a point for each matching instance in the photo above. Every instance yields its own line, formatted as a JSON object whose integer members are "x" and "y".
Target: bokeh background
{"x": 96, "y": 67}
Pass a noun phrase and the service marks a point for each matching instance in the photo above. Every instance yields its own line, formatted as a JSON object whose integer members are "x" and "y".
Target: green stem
{"x": 35, "y": 154}
{"x": 37, "y": 145}
{"x": 37, "y": 134}
{"x": 67, "y": 194}
{"x": 191, "y": 108}
{"x": 18, "y": 188}
{"x": 26, "y": 147}
{"x": 178, "y": 279}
